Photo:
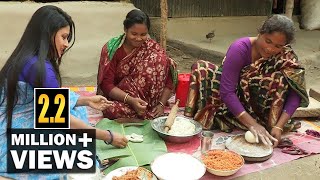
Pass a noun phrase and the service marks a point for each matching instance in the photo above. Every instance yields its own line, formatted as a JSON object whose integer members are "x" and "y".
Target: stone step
{"x": 315, "y": 93}
{"x": 313, "y": 110}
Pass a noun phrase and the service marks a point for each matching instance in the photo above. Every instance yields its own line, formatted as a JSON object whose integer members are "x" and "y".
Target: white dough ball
{"x": 250, "y": 138}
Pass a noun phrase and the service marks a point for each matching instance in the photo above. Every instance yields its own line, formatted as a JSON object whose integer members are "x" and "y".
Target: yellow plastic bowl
{"x": 219, "y": 172}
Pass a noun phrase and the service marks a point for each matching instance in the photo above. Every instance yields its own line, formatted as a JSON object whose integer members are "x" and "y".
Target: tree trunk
{"x": 289, "y": 8}
{"x": 164, "y": 20}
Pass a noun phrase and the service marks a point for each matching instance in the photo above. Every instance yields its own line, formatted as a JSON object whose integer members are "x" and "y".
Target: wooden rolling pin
{"x": 171, "y": 117}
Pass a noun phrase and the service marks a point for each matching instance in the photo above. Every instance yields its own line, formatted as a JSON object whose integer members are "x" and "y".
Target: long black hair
{"x": 38, "y": 40}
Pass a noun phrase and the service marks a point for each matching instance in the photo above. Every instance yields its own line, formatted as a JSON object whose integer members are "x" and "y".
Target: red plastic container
{"x": 182, "y": 88}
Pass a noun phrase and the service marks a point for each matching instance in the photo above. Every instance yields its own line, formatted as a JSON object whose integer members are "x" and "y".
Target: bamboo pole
{"x": 289, "y": 8}
{"x": 164, "y": 21}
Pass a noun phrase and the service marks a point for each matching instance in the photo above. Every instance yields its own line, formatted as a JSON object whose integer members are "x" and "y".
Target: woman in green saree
{"x": 258, "y": 86}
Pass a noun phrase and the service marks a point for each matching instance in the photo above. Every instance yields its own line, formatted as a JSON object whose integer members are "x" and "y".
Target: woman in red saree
{"x": 135, "y": 73}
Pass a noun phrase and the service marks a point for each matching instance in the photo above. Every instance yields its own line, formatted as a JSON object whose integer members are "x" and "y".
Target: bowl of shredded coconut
{"x": 182, "y": 130}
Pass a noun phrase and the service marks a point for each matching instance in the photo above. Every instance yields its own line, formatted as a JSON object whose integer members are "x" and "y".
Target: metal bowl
{"x": 158, "y": 125}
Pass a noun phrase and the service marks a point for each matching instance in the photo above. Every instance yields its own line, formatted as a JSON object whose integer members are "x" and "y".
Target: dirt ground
{"x": 183, "y": 60}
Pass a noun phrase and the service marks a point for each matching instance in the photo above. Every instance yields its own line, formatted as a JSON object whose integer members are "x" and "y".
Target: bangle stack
{"x": 125, "y": 98}
{"x": 278, "y": 128}
{"x": 111, "y": 138}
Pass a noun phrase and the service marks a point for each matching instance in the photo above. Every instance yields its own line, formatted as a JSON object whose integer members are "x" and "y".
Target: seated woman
{"x": 258, "y": 87}
{"x": 135, "y": 73}
{"x": 34, "y": 63}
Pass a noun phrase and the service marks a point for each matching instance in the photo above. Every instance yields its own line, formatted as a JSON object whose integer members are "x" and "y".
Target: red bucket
{"x": 182, "y": 88}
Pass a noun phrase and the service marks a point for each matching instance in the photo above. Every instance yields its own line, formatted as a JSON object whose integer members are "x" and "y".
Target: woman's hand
{"x": 139, "y": 105}
{"x": 99, "y": 102}
{"x": 157, "y": 111}
{"x": 261, "y": 133}
{"x": 119, "y": 140}
{"x": 276, "y": 133}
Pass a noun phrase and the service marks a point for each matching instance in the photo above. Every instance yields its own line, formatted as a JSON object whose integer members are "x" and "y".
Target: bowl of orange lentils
{"x": 222, "y": 162}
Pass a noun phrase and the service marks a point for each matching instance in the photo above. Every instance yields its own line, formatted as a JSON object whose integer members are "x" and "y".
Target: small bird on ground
{"x": 210, "y": 35}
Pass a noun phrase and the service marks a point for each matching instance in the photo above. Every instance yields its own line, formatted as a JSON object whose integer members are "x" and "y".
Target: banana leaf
{"x": 135, "y": 154}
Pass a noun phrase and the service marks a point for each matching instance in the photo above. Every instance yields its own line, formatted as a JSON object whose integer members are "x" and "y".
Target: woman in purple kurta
{"x": 258, "y": 86}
